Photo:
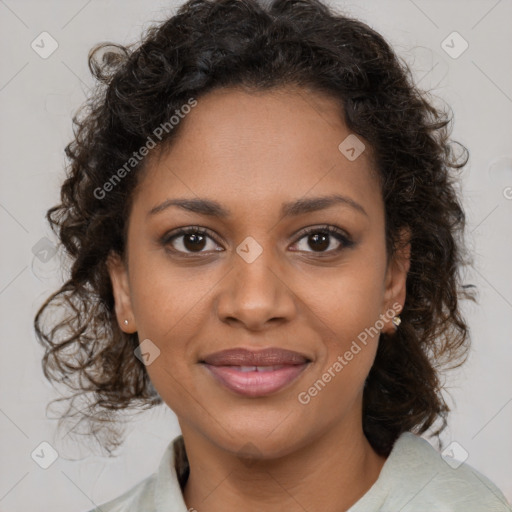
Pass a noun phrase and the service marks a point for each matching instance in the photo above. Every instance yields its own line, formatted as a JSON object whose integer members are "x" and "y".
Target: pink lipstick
{"x": 255, "y": 374}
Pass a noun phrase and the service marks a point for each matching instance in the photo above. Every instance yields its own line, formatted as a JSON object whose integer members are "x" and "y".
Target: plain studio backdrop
{"x": 459, "y": 50}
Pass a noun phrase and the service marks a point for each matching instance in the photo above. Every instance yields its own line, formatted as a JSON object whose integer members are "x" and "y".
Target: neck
{"x": 329, "y": 473}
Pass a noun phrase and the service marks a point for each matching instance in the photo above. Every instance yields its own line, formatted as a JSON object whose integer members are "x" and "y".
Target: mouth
{"x": 254, "y": 374}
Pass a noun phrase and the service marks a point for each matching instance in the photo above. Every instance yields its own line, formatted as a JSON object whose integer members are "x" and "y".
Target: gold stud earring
{"x": 396, "y": 321}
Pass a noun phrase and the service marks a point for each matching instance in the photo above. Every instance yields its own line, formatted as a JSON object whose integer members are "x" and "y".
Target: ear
{"x": 118, "y": 272}
{"x": 396, "y": 278}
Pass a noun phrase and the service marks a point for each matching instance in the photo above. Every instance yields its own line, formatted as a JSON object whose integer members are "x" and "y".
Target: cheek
{"x": 348, "y": 301}
{"x": 344, "y": 364}
{"x": 168, "y": 311}
{"x": 170, "y": 324}
{"x": 167, "y": 299}
{"x": 349, "y": 307}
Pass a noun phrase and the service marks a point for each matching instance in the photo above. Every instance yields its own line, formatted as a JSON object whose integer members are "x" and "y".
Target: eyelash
{"x": 346, "y": 242}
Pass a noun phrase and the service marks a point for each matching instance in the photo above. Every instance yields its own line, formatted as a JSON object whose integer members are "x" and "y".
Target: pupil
{"x": 196, "y": 241}
{"x": 323, "y": 241}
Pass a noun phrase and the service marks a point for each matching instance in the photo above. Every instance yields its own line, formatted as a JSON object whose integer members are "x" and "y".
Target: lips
{"x": 255, "y": 374}
{"x": 261, "y": 358}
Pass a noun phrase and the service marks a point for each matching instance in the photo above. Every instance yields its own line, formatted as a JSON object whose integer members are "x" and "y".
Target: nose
{"x": 256, "y": 294}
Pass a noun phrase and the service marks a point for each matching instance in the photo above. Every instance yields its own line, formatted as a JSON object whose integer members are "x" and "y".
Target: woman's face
{"x": 254, "y": 280}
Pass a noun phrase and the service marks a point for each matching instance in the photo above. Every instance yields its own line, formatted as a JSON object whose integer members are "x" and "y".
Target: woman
{"x": 266, "y": 237}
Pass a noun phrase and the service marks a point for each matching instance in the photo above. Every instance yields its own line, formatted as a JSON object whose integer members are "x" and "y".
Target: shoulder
{"x": 434, "y": 480}
{"x": 139, "y": 497}
{"x": 161, "y": 490}
{"x": 417, "y": 478}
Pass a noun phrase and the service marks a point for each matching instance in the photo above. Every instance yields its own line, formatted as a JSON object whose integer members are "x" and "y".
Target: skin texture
{"x": 251, "y": 153}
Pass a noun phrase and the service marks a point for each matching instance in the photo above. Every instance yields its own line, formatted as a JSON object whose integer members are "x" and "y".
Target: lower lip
{"x": 256, "y": 383}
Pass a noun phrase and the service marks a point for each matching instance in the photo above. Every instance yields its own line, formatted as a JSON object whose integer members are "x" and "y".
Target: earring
{"x": 126, "y": 322}
{"x": 396, "y": 321}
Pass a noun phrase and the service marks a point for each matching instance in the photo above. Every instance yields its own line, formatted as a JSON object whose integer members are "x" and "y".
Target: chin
{"x": 258, "y": 441}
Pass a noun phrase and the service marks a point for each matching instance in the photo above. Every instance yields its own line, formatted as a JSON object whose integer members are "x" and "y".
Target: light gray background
{"x": 38, "y": 97}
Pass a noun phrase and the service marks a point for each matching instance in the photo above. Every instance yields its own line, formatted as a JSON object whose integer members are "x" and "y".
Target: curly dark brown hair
{"x": 208, "y": 44}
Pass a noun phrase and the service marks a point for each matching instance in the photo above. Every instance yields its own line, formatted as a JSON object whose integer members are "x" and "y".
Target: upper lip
{"x": 247, "y": 357}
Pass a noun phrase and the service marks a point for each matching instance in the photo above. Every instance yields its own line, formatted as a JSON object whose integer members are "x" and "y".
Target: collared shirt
{"x": 414, "y": 478}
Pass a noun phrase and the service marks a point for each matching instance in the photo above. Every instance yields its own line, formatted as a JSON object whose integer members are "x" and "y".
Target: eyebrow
{"x": 301, "y": 206}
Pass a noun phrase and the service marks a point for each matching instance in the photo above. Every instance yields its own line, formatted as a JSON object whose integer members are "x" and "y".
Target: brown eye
{"x": 194, "y": 241}
{"x": 319, "y": 239}
{"x": 189, "y": 241}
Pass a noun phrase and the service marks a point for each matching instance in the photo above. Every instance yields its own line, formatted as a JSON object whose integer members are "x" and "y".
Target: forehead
{"x": 253, "y": 149}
